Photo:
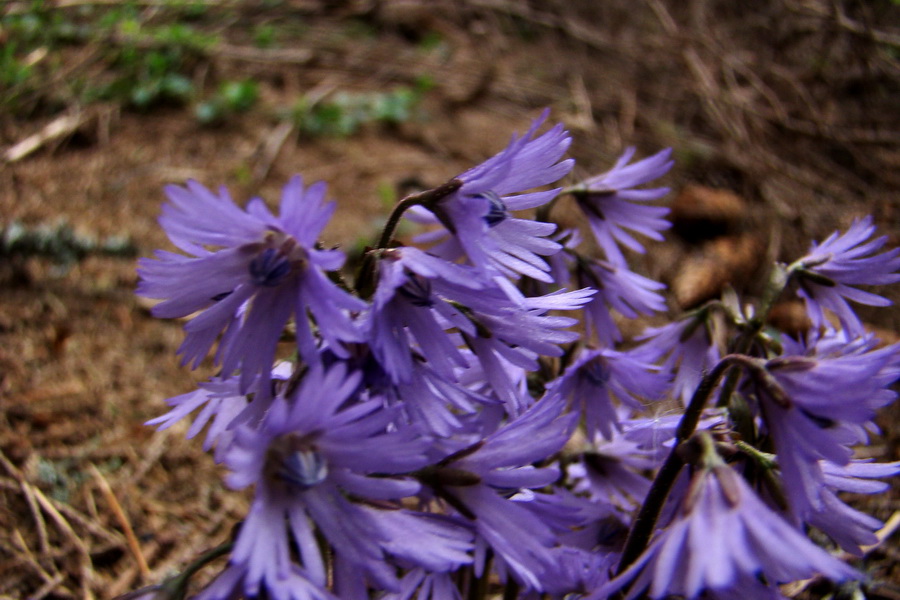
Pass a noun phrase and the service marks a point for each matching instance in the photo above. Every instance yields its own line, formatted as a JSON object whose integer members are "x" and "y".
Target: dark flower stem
{"x": 422, "y": 198}
{"x": 645, "y": 522}
{"x": 778, "y": 280}
{"x": 176, "y": 587}
{"x": 365, "y": 282}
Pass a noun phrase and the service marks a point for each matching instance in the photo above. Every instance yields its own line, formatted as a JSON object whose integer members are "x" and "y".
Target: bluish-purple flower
{"x": 688, "y": 348}
{"x": 815, "y": 409}
{"x": 247, "y": 272}
{"x": 478, "y": 482}
{"x": 312, "y": 459}
{"x": 612, "y": 205}
{"x": 477, "y": 219}
{"x": 597, "y": 377}
{"x": 848, "y": 527}
{"x": 619, "y": 289}
{"x": 723, "y": 536}
{"x": 409, "y": 314}
{"x": 827, "y": 274}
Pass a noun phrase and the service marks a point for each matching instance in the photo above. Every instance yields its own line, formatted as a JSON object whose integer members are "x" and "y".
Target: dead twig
{"x": 122, "y": 518}
{"x": 57, "y": 128}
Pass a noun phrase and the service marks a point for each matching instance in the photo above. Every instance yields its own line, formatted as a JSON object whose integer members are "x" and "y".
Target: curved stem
{"x": 645, "y": 522}
{"x": 425, "y": 198}
{"x": 778, "y": 280}
{"x": 365, "y": 281}
{"x": 179, "y": 583}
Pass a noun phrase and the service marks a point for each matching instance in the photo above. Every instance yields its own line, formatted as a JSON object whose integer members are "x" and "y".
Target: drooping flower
{"x": 612, "y": 204}
{"x": 478, "y": 481}
{"x": 409, "y": 315}
{"x": 848, "y": 527}
{"x": 687, "y": 348}
{"x": 597, "y": 377}
{"x": 723, "y": 536}
{"x": 235, "y": 581}
{"x": 247, "y": 272}
{"x": 815, "y": 410}
{"x": 503, "y": 330}
{"x": 619, "y": 289}
{"x": 611, "y": 474}
{"x": 827, "y": 274}
{"x": 477, "y": 219}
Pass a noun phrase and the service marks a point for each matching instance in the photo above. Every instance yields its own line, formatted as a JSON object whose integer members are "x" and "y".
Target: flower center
{"x": 279, "y": 256}
{"x": 296, "y": 462}
{"x": 497, "y": 212}
{"x": 417, "y": 290}
{"x": 596, "y": 371}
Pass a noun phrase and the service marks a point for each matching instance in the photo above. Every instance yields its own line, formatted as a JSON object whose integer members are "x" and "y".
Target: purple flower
{"x": 850, "y": 528}
{"x": 477, "y": 481}
{"x": 609, "y": 201}
{"x": 425, "y": 586}
{"x": 723, "y": 536}
{"x": 689, "y": 349}
{"x": 618, "y": 289}
{"x": 409, "y": 314}
{"x": 826, "y": 274}
{"x": 263, "y": 270}
{"x": 504, "y": 330}
{"x": 611, "y": 474}
{"x": 597, "y": 377}
{"x": 223, "y": 407}
{"x": 311, "y": 460}
{"x": 477, "y": 219}
{"x": 815, "y": 409}
{"x": 235, "y": 581}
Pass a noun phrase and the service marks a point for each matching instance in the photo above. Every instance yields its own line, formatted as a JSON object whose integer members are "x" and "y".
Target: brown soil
{"x": 790, "y": 106}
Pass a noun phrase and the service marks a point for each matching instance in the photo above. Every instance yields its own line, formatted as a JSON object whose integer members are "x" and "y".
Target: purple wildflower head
{"x": 815, "y": 409}
{"x": 478, "y": 481}
{"x": 311, "y": 461}
{"x": 247, "y": 272}
{"x": 478, "y": 219}
{"x": 612, "y": 204}
{"x": 598, "y": 376}
{"x": 611, "y": 473}
{"x": 722, "y": 537}
{"x": 848, "y": 527}
{"x": 830, "y": 269}
{"x": 618, "y": 289}
{"x": 688, "y": 348}
{"x": 412, "y": 308}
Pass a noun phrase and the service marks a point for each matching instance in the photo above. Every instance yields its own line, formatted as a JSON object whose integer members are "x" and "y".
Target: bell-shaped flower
{"x": 722, "y": 537}
{"x": 830, "y": 270}
{"x": 614, "y": 207}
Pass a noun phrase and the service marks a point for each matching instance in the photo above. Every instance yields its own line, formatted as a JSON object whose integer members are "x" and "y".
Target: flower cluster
{"x": 442, "y": 428}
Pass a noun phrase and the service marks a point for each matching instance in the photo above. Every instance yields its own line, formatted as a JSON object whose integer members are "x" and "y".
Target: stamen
{"x": 303, "y": 468}
{"x": 417, "y": 290}
{"x": 497, "y": 212}
{"x": 270, "y": 267}
{"x": 596, "y": 371}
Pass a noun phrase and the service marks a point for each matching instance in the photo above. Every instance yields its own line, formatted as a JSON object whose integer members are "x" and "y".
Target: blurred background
{"x": 783, "y": 117}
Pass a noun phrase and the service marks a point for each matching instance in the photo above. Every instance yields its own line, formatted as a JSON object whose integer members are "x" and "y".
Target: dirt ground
{"x": 783, "y": 116}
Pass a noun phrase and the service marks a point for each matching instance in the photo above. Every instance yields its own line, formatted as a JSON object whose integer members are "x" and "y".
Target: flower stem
{"x": 176, "y": 587}
{"x": 422, "y": 198}
{"x": 365, "y": 282}
{"x": 645, "y": 522}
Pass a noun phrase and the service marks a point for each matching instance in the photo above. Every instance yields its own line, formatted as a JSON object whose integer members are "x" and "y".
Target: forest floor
{"x": 783, "y": 117}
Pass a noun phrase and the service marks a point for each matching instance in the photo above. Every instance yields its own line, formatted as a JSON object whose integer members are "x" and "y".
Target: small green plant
{"x": 345, "y": 113}
{"x": 232, "y": 97}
